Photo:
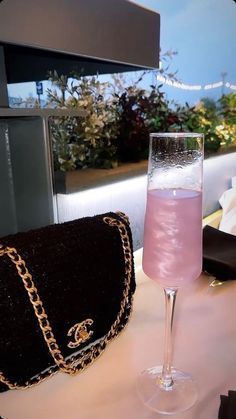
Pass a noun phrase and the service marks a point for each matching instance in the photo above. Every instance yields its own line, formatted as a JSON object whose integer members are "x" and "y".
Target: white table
{"x": 205, "y": 346}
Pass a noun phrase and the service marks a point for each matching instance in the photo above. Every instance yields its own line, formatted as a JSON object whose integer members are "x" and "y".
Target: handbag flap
{"x": 80, "y": 288}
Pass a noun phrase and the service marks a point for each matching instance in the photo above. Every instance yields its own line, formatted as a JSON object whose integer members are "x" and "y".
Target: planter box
{"x": 80, "y": 180}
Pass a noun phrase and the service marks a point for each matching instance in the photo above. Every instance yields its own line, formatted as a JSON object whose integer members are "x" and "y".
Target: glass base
{"x": 180, "y": 396}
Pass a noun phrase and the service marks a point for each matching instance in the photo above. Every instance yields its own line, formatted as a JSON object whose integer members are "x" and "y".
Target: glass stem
{"x": 166, "y": 378}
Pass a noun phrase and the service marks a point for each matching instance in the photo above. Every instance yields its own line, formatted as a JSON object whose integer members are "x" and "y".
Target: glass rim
{"x": 176, "y": 134}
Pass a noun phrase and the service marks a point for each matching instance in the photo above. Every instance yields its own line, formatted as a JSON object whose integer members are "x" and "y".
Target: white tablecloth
{"x": 205, "y": 346}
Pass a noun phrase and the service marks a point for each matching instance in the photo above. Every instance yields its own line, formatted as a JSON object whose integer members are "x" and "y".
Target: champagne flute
{"x": 172, "y": 252}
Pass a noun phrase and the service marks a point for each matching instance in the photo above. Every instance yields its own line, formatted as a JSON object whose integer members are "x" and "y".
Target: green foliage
{"x": 228, "y": 108}
{"x": 86, "y": 141}
{"x": 216, "y": 122}
{"x": 118, "y": 120}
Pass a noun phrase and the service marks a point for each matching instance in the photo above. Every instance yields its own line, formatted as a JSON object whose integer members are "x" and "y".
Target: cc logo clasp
{"x": 80, "y": 333}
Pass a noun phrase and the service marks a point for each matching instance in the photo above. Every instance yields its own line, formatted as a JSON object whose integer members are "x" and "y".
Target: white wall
{"x": 129, "y": 196}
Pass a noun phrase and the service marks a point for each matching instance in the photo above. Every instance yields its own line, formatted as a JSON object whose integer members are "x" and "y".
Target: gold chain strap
{"x": 80, "y": 361}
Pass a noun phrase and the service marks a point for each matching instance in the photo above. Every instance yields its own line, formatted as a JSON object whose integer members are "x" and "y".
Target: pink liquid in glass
{"x": 172, "y": 252}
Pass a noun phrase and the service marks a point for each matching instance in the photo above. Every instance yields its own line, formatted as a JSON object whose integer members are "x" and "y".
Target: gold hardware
{"x": 123, "y": 215}
{"x": 216, "y": 283}
{"x": 80, "y": 333}
{"x": 80, "y": 361}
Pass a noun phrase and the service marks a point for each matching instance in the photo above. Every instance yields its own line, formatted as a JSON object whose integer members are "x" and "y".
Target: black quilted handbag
{"x": 65, "y": 292}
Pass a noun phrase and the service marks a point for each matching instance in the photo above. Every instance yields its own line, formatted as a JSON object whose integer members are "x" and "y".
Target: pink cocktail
{"x": 172, "y": 252}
